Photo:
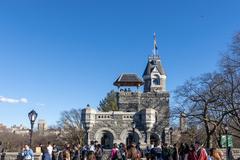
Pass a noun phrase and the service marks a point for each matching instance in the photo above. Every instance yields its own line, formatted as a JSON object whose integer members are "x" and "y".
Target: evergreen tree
{"x": 109, "y": 103}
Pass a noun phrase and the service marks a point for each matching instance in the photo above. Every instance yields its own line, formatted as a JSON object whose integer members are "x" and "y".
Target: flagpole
{"x": 154, "y": 45}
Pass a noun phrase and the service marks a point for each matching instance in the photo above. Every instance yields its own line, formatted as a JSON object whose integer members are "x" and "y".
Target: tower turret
{"x": 154, "y": 76}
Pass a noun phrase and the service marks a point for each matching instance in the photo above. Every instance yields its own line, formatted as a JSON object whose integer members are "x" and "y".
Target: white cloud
{"x": 12, "y": 101}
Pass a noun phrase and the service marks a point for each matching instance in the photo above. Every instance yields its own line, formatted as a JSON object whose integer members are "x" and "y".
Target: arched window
{"x": 156, "y": 117}
{"x": 156, "y": 80}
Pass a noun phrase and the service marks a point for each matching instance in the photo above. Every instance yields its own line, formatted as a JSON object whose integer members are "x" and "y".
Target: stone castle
{"x": 142, "y": 117}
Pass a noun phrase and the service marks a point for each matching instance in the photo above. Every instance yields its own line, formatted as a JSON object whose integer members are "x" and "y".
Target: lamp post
{"x": 32, "y": 115}
{"x": 133, "y": 129}
{"x": 227, "y": 150}
{"x": 170, "y": 131}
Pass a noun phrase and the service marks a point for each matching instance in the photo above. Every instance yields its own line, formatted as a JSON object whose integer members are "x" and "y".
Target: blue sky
{"x": 56, "y": 55}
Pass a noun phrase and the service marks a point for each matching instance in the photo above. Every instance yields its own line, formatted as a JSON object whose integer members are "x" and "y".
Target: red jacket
{"x": 202, "y": 154}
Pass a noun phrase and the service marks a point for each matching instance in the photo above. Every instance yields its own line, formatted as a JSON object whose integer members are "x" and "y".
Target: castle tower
{"x": 42, "y": 126}
{"x": 154, "y": 76}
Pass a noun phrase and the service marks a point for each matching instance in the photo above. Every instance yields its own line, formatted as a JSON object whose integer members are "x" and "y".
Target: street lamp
{"x": 32, "y": 118}
{"x": 133, "y": 129}
{"x": 227, "y": 150}
{"x": 170, "y": 131}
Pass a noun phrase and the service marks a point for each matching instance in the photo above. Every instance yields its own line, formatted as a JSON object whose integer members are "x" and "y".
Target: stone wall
{"x": 149, "y": 111}
{"x": 128, "y": 101}
{"x": 159, "y": 102}
{"x": 118, "y": 123}
{"x": 136, "y": 101}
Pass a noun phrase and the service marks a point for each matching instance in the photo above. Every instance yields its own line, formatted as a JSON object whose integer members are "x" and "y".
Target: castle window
{"x": 156, "y": 81}
{"x": 155, "y": 116}
{"x": 98, "y": 116}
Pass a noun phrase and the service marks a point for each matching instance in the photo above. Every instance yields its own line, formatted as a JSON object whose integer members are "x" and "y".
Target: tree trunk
{"x": 209, "y": 141}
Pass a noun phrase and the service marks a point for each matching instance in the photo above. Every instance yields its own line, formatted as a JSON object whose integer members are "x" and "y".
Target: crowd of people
{"x": 94, "y": 151}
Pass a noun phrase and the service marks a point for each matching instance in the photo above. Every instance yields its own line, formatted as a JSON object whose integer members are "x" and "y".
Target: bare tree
{"x": 231, "y": 59}
{"x": 200, "y": 99}
{"x": 71, "y": 127}
{"x": 230, "y": 68}
{"x": 13, "y": 142}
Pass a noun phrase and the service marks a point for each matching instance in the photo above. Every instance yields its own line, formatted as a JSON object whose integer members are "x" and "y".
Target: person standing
{"x": 216, "y": 154}
{"x": 76, "y": 152}
{"x": 156, "y": 152}
{"x": 192, "y": 153}
{"x": 50, "y": 149}
{"x": 45, "y": 153}
{"x": 2, "y": 151}
{"x": 201, "y": 151}
{"x": 27, "y": 153}
{"x": 123, "y": 151}
{"x": 66, "y": 152}
{"x": 84, "y": 152}
{"x": 98, "y": 152}
{"x": 92, "y": 146}
{"x": 55, "y": 152}
{"x": 175, "y": 152}
{"x": 114, "y": 152}
{"x": 133, "y": 153}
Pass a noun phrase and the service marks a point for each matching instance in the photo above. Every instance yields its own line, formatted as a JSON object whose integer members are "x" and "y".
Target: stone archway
{"x": 106, "y": 137}
{"x": 128, "y": 137}
{"x": 132, "y": 138}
